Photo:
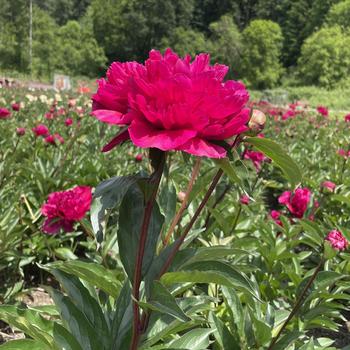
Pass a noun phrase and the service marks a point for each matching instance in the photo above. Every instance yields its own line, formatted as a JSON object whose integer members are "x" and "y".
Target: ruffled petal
{"x": 202, "y": 148}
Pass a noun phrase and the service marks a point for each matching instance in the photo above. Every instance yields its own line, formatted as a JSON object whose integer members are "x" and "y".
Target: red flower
{"x": 15, "y": 107}
{"x": 68, "y": 122}
{"x": 59, "y": 138}
{"x": 296, "y": 202}
{"x": 40, "y": 130}
{"x": 256, "y": 157}
{"x": 20, "y": 131}
{"x": 173, "y": 104}
{"x": 4, "y": 113}
{"x": 63, "y": 209}
{"x": 337, "y": 240}
{"x": 139, "y": 157}
{"x": 50, "y": 139}
{"x": 244, "y": 200}
{"x": 275, "y": 215}
{"x": 323, "y": 111}
{"x": 347, "y": 118}
{"x": 329, "y": 185}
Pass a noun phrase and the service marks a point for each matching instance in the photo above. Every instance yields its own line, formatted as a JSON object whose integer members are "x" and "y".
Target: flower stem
{"x": 154, "y": 182}
{"x": 298, "y": 303}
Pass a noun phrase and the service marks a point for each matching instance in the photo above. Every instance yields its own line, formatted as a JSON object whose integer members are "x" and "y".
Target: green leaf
{"x": 341, "y": 198}
{"x": 129, "y": 231}
{"x": 24, "y": 344}
{"x": 108, "y": 194}
{"x": 93, "y": 273}
{"x": 279, "y": 157}
{"x": 228, "y": 169}
{"x": 167, "y": 202}
{"x": 196, "y": 339}
{"x": 28, "y": 321}
{"x": 287, "y": 340}
{"x": 64, "y": 339}
{"x": 78, "y": 324}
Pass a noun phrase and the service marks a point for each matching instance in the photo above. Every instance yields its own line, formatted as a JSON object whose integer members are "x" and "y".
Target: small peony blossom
{"x": 63, "y": 209}
{"x": 50, "y": 139}
{"x": 329, "y": 185}
{"x": 256, "y": 157}
{"x": 244, "y": 200}
{"x": 347, "y": 118}
{"x": 15, "y": 107}
{"x": 139, "y": 157}
{"x": 323, "y": 111}
{"x": 40, "y": 130}
{"x": 49, "y": 115}
{"x": 59, "y": 138}
{"x": 296, "y": 202}
{"x": 275, "y": 215}
{"x": 20, "y": 131}
{"x": 4, "y": 113}
{"x": 289, "y": 114}
{"x": 171, "y": 103}
{"x": 68, "y": 122}
{"x": 337, "y": 240}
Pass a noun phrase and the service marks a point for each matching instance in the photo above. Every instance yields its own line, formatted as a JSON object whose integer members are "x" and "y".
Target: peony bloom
{"x": 4, "y": 113}
{"x": 256, "y": 157}
{"x": 64, "y": 208}
{"x": 139, "y": 157}
{"x": 244, "y": 200}
{"x": 20, "y": 131}
{"x": 337, "y": 240}
{"x": 329, "y": 185}
{"x": 289, "y": 114}
{"x": 15, "y": 107}
{"x": 275, "y": 215}
{"x": 172, "y": 103}
{"x": 296, "y": 202}
{"x": 49, "y": 115}
{"x": 40, "y": 130}
{"x": 59, "y": 138}
{"x": 50, "y": 139}
{"x": 68, "y": 122}
{"x": 347, "y": 118}
{"x": 322, "y": 110}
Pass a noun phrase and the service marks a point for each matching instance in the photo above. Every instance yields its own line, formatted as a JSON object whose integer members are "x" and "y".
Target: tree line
{"x": 265, "y": 42}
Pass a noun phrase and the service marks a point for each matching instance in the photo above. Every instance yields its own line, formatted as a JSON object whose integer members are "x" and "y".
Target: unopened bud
{"x": 257, "y": 121}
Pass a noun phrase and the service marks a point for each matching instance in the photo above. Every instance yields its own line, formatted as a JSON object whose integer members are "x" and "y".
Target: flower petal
{"x": 118, "y": 139}
{"x": 202, "y": 148}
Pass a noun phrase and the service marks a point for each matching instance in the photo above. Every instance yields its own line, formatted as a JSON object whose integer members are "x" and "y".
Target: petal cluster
{"x": 64, "y": 208}
{"x": 171, "y": 103}
{"x": 296, "y": 202}
{"x": 337, "y": 240}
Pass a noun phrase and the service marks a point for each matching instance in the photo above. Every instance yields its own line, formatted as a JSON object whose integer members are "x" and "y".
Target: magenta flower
{"x": 256, "y": 157}
{"x": 63, "y": 209}
{"x": 20, "y": 131}
{"x": 323, "y": 111}
{"x": 337, "y": 240}
{"x": 50, "y": 139}
{"x": 68, "y": 122}
{"x": 15, "y": 107}
{"x": 347, "y": 118}
{"x": 289, "y": 114}
{"x": 275, "y": 215}
{"x": 329, "y": 185}
{"x": 172, "y": 103}
{"x": 138, "y": 157}
{"x": 40, "y": 130}
{"x": 296, "y": 202}
{"x": 244, "y": 200}
{"x": 4, "y": 113}
{"x": 59, "y": 138}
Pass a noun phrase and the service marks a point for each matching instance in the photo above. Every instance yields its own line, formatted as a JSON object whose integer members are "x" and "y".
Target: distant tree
{"x": 325, "y": 57}
{"x": 262, "y": 45}
{"x": 225, "y": 43}
{"x": 339, "y": 14}
{"x": 185, "y": 41}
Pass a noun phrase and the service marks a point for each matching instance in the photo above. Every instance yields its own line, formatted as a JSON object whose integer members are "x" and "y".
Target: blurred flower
{"x": 40, "y": 130}
{"x": 343, "y": 153}
{"x": 72, "y": 102}
{"x": 347, "y": 118}
{"x": 173, "y": 104}
{"x": 63, "y": 209}
{"x": 4, "y": 113}
{"x": 244, "y": 200}
{"x": 138, "y": 157}
{"x": 275, "y": 215}
{"x": 68, "y": 122}
{"x": 329, "y": 185}
{"x": 15, "y": 107}
{"x": 289, "y": 114}
{"x": 20, "y": 131}
{"x": 256, "y": 157}
{"x": 296, "y": 202}
{"x": 50, "y": 139}
{"x": 322, "y": 110}
{"x": 59, "y": 138}
{"x": 49, "y": 115}
{"x": 337, "y": 240}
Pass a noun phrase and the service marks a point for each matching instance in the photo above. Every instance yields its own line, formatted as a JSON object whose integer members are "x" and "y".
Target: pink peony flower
{"x": 244, "y": 200}
{"x": 275, "y": 215}
{"x": 256, "y": 157}
{"x": 4, "y": 113}
{"x": 20, "y": 131}
{"x": 15, "y": 107}
{"x": 289, "y": 114}
{"x": 329, "y": 185}
{"x": 323, "y": 111}
{"x": 347, "y": 118}
{"x": 68, "y": 122}
{"x": 296, "y": 202}
{"x": 50, "y": 139}
{"x": 64, "y": 208}
{"x": 337, "y": 240}
{"x": 173, "y": 104}
{"x": 40, "y": 130}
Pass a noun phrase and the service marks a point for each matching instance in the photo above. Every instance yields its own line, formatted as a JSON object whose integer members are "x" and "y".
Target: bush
{"x": 325, "y": 57}
{"x": 339, "y": 14}
{"x": 262, "y": 45}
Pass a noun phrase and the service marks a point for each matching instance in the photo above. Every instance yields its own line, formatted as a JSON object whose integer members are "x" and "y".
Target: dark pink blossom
{"x": 20, "y": 131}
{"x": 63, "y": 209}
{"x": 329, "y": 185}
{"x": 323, "y": 111}
{"x": 15, "y": 107}
{"x": 275, "y": 215}
{"x": 244, "y": 199}
{"x": 40, "y": 130}
{"x": 59, "y": 138}
{"x": 289, "y": 114}
{"x": 172, "y": 103}
{"x": 337, "y": 240}
{"x": 256, "y": 157}
{"x": 68, "y": 122}
{"x": 139, "y": 157}
{"x": 296, "y": 202}
{"x": 50, "y": 139}
{"x": 4, "y": 113}
{"x": 347, "y": 118}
